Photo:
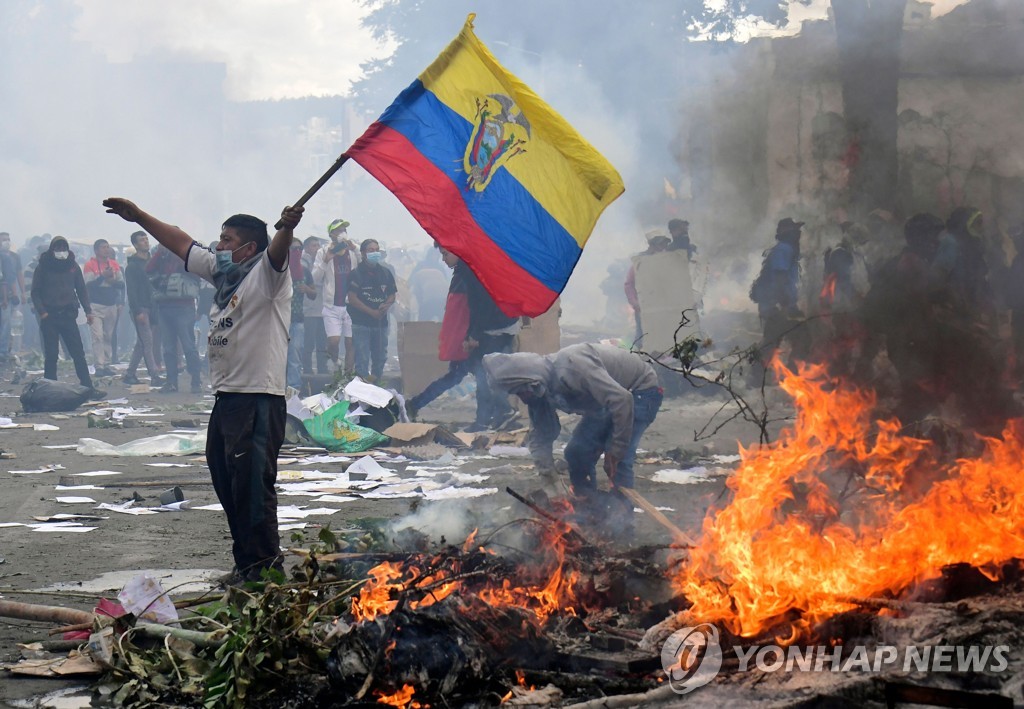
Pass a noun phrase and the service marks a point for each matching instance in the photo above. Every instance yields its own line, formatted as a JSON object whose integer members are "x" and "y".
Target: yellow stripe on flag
{"x": 563, "y": 172}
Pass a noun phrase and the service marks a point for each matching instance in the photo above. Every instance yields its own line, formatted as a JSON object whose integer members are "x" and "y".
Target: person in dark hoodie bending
{"x": 615, "y": 391}
{"x": 58, "y": 287}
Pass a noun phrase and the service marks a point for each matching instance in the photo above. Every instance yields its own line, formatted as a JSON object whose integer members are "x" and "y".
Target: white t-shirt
{"x": 248, "y": 341}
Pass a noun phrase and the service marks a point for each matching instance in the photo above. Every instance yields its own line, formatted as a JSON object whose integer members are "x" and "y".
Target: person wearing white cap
{"x": 331, "y": 271}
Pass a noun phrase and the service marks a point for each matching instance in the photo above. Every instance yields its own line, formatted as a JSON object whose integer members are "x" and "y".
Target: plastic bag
{"x": 48, "y": 395}
{"x": 336, "y": 433}
{"x": 166, "y": 444}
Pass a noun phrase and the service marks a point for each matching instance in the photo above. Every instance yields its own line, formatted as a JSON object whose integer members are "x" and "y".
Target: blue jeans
{"x": 457, "y": 371}
{"x": 370, "y": 346}
{"x": 296, "y": 341}
{"x": 491, "y": 403}
{"x": 594, "y": 432}
{"x": 177, "y": 326}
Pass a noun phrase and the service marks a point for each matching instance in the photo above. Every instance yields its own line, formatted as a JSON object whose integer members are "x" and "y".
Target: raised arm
{"x": 170, "y": 236}
{"x": 277, "y": 252}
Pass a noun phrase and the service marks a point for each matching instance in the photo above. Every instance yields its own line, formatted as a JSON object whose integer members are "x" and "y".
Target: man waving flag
{"x": 492, "y": 173}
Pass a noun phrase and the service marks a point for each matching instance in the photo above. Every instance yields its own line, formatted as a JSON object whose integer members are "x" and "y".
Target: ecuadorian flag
{"x": 492, "y": 173}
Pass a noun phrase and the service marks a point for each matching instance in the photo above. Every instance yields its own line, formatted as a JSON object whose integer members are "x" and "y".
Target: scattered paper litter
{"x": 61, "y": 527}
{"x": 11, "y": 524}
{"x": 450, "y": 493}
{"x": 510, "y": 451}
{"x": 169, "y": 465}
{"x": 146, "y": 598}
{"x": 334, "y": 498}
{"x": 358, "y": 390}
{"x": 44, "y": 469}
{"x": 125, "y": 508}
{"x": 215, "y": 507}
{"x": 74, "y": 500}
{"x": 62, "y": 447}
{"x": 290, "y": 526}
{"x": 68, "y": 488}
{"x": 698, "y": 474}
{"x": 294, "y": 512}
{"x": 373, "y": 469}
{"x": 45, "y": 427}
{"x": 735, "y": 458}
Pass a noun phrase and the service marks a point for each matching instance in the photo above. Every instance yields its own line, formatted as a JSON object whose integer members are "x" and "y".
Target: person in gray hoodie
{"x": 615, "y": 391}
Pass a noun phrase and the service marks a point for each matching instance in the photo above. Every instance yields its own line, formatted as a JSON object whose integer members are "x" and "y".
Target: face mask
{"x": 225, "y": 261}
{"x": 5, "y": 246}
{"x": 374, "y": 257}
{"x": 60, "y": 255}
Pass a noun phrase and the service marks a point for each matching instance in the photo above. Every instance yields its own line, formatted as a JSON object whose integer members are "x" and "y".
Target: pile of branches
{"x": 297, "y": 642}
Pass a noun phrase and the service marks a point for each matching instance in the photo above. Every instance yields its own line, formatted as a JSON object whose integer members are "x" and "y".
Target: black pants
{"x": 244, "y": 438}
{"x": 57, "y": 326}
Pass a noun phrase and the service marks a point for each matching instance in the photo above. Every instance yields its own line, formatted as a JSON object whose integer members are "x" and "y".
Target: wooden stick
{"x": 342, "y": 159}
{"x": 548, "y": 516}
{"x": 54, "y": 614}
{"x": 70, "y": 628}
{"x": 637, "y": 499}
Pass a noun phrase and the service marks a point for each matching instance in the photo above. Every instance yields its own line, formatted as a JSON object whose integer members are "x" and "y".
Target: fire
{"x": 553, "y": 594}
{"x": 843, "y": 506}
{"x": 402, "y": 698}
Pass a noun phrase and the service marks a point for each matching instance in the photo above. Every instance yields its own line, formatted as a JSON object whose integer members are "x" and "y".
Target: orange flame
{"x": 402, "y": 698}
{"x": 786, "y": 549}
{"x": 556, "y": 594}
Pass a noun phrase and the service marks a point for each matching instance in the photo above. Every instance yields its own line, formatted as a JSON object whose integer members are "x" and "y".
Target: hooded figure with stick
{"x": 615, "y": 391}
{"x": 248, "y": 352}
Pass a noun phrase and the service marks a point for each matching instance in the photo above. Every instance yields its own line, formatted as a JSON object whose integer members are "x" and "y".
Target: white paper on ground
{"x": 449, "y": 493}
{"x": 698, "y": 474}
{"x": 373, "y": 469}
{"x": 6, "y": 422}
{"x": 311, "y": 459}
{"x": 215, "y": 507}
{"x": 317, "y": 404}
{"x": 96, "y": 473}
{"x": 510, "y": 451}
{"x": 44, "y": 469}
{"x": 61, "y": 527}
{"x": 68, "y": 488}
{"x": 126, "y": 508}
{"x": 170, "y": 465}
{"x": 358, "y": 390}
{"x": 63, "y": 447}
{"x": 334, "y": 498}
{"x": 175, "y": 506}
{"x": 45, "y": 427}
{"x": 294, "y": 512}
{"x": 291, "y": 525}
{"x": 74, "y": 500}
{"x": 735, "y": 458}
{"x": 11, "y": 524}
{"x": 146, "y": 598}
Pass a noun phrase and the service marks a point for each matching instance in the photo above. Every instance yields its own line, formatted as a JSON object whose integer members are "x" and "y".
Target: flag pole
{"x": 319, "y": 183}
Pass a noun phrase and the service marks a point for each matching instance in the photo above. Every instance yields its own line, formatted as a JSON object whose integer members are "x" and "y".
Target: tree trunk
{"x": 868, "y": 34}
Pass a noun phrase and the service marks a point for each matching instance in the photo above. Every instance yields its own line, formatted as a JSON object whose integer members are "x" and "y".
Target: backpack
{"x": 760, "y": 289}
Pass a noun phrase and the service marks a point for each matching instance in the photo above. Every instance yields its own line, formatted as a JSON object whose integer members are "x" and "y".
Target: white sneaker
{"x": 332, "y": 366}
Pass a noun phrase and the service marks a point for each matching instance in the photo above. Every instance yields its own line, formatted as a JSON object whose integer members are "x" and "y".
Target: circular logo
{"x": 691, "y": 657}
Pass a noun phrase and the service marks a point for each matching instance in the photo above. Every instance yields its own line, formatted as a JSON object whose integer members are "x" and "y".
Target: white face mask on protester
{"x": 60, "y": 255}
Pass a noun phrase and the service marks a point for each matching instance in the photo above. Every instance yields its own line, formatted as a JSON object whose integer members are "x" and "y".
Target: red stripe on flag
{"x": 438, "y": 205}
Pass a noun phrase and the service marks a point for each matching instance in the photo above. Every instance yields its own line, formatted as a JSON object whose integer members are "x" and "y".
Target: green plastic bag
{"x": 337, "y": 434}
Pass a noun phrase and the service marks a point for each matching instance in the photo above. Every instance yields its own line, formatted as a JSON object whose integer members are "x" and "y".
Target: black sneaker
{"x": 130, "y": 379}
{"x": 156, "y": 381}
{"x": 97, "y": 394}
{"x": 169, "y": 388}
